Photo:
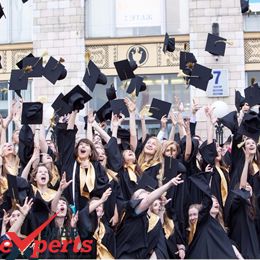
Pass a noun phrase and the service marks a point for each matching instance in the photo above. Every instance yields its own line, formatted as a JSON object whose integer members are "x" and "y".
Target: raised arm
{"x": 104, "y": 135}
{"x": 143, "y": 125}
{"x": 188, "y": 147}
{"x": 131, "y": 105}
{"x": 210, "y": 123}
{"x": 248, "y": 159}
{"x": 163, "y": 131}
{"x": 156, "y": 194}
{"x": 91, "y": 120}
{"x": 71, "y": 121}
{"x": 174, "y": 123}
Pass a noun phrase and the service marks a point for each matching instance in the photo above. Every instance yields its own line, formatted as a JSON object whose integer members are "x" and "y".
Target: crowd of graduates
{"x": 163, "y": 196}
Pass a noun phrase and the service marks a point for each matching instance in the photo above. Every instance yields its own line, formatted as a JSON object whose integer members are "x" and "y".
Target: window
{"x": 126, "y": 18}
{"x": 252, "y": 21}
{"x": 164, "y": 87}
{"x": 252, "y": 74}
{"x": 17, "y": 27}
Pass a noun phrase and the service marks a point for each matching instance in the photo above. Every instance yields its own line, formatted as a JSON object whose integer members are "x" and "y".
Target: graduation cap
{"x": 76, "y": 98}
{"x": 32, "y": 113}
{"x": 200, "y": 77}
{"x": 252, "y": 95}
{"x": 35, "y": 63}
{"x": 125, "y": 69}
{"x": 24, "y": 1}
{"x": 19, "y": 64}
{"x": 136, "y": 85}
{"x": 54, "y": 70}
{"x": 186, "y": 58}
{"x": 104, "y": 113}
{"x": 159, "y": 108}
{"x": 208, "y": 152}
{"x": 118, "y": 106}
{"x": 250, "y": 125}
{"x": 2, "y": 11}
{"x": 169, "y": 44}
{"x": 244, "y": 6}
{"x": 93, "y": 76}
{"x": 60, "y": 107}
{"x": 230, "y": 121}
{"x": 0, "y": 62}
{"x": 13, "y": 189}
{"x": 170, "y": 168}
{"x": 18, "y": 81}
{"x": 111, "y": 92}
{"x": 239, "y": 100}
{"x": 216, "y": 45}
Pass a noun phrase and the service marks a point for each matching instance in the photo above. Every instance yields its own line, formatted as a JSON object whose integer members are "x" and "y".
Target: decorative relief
{"x": 252, "y": 51}
{"x": 99, "y": 55}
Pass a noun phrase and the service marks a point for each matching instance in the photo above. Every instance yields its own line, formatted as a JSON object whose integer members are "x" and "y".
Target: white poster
{"x": 218, "y": 86}
{"x": 138, "y": 13}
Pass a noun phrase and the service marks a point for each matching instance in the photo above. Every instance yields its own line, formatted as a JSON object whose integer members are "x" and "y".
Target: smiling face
{"x": 101, "y": 154}
{"x": 171, "y": 151}
{"x": 62, "y": 208}
{"x": 193, "y": 215}
{"x": 84, "y": 151}
{"x": 250, "y": 146}
{"x": 155, "y": 207}
{"x": 42, "y": 176}
{"x": 14, "y": 216}
{"x": 46, "y": 158}
{"x": 8, "y": 149}
{"x": 150, "y": 147}
{"x": 129, "y": 156}
{"x": 15, "y": 137}
{"x": 215, "y": 207}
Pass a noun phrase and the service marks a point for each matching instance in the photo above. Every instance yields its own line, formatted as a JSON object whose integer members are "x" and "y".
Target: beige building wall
{"x": 228, "y": 15}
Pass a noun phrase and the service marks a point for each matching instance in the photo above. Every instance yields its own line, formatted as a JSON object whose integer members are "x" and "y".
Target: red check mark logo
{"x": 23, "y": 244}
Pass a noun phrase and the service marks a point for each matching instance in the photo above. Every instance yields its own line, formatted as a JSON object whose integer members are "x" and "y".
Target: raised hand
{"x": 91, "y": 117}
{"x": 74, "y": 220}
{"x": 164, "y": 122}
{"x": 131, "y": 105}
{"x": 106, "y": 194}
{"x": 6, "y": 218}
{"x": 195, "y": 107}
{"x": 173, "y": 117}
{"x": 63, "y": 183}
{"x": 26, "y": 206}
{"x": 177, "y": 180}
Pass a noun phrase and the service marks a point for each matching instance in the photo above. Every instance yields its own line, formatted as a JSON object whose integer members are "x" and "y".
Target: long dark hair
{"x": 94, "y": 154}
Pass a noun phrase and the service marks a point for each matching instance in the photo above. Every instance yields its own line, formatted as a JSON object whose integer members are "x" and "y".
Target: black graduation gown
{"x": 242, "y": 228}
{"x": 131, "y": 237}
{"x": 210, "y": 241}
{"x": 66, "y": 146}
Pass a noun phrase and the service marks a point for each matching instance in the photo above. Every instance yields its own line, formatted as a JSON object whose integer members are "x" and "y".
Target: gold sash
{"x": 223, "y": 185}
{"x": 87, "y": 179}
{"x": 47, "y": 196}
{"x": 111, "y": 175}
{"x": 255, "y": 168}
{"x": 102, "y": 251}
{"x": 131, "y": 172}
{"x": 168, "y": 227}
{"x": 146, "y": 165}
{"x": 12, "y": 170}
{"x": 55, "y": 177}
{"x": 3, "y": 185}
{"x": 152, "y": 221}
{"x": 192, "y": 231}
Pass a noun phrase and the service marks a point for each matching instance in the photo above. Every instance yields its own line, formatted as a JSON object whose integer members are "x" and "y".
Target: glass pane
{"x": 22, "y": 21}
{"x": 252, "y": 22}
{"x": 4, "y": 22}
{"x": 252, "y": 74}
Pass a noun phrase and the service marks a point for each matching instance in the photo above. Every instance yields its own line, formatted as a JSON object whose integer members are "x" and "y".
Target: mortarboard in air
{"x": 54, "y": 70}
{"x": 0, "y": 62}
{"x": 136, "y": 85}
{"x": 60, "y": 107}
{"x": 200, "y": 77}
{"x": 208, "y": 152}
{"x": 252, "y": 94}
{"x": 76, "y": 98}
{"x": 170, "y": 168}
{"x": 24, "y": 1}
{"x": 19, "y": 64}
{"x": 18, "y": 81}
{"x": 169, "y": 44}
{"x": 186, "y": 58}
{"x": 159, "y": 108}
{"x": 239, "y": 100}
{"x": 104, "y": 113}
{"x": 250, "y": 125}
{"x": 36, "y": 66}
{"x": 125, "y": 69}
{"x": 32, "y": 113}
{"x": 93, "y": 76}
{"x": 216, "y": 45}
{"x": 244, "y": 6}
{"x": 2, "y": 11}
{"x": 118, "y": 106}
{"x": 230, "y": 121}
{"x": 111, "y": 92}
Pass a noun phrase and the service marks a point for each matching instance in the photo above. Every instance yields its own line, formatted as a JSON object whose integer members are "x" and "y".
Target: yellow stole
{"x": 168, "y": 227}
{"x": 131, "y": 171}
{"x": 87, "y": 179}
{"x": 255, "y": 168}
{"x": 223, "y": 185}
{"x": 146, "y": 165}
{"x": 192, "y": 231}
{"x": 3, "y": 185}
{"x": 102, "y": 251}
{"x": 47, "y": 196}
{"x": 12, "y": 170}
{"x": 55, "y": 177}
{"x": 152, "y": 221}
{"x": 111, "y": 174}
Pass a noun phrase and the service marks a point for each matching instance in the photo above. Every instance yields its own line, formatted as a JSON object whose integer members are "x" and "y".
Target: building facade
{"x": 113, "y": 30}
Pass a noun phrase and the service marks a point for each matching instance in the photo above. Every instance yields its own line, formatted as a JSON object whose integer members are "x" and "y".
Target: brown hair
{"x": 34, "y": 172}
{"x": 94, "y": 154}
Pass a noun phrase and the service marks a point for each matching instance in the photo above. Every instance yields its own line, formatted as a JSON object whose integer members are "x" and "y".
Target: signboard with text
{"x": 136, "y": 13}
{"x": 218, "y": 86}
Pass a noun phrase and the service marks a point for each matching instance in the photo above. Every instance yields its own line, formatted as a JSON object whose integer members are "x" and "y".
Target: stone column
{"x": 227, "y": 14}
{"x": 58, "y": 28}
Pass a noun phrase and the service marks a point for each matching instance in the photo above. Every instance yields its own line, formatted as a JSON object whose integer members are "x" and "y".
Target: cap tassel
{"x": 225, "y": 41}
{"x": 240, "y": 144}
{"x": 27, "y": 69}
{"x": 61, "y": 60}
{"x": 145, "y": 111}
